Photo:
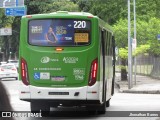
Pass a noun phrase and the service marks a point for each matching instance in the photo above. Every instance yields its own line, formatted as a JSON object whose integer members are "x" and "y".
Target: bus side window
{"x": 110, "y": 45}
{"x": 113, "y": 49}
{"x": 103, "y": 38}
{"x": 107, "y": 43}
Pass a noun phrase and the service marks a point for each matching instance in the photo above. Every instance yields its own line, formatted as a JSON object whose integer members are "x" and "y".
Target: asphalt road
{"x": 122, "y": 105}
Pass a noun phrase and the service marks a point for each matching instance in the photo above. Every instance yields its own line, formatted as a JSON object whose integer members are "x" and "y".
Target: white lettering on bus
{"x": 79, "y": 24}
{"x": 57, "y": 69}
{"x": 70, "y": 59}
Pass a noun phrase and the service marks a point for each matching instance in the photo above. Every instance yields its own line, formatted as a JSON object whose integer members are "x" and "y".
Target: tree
{"x": 123, "y": 55}
{"x": 85, "y": 5}
{"x": 121, "y": 36}
{"x": 112, "y": 11}
{"x": 64, "y": 6}
{"x": 108, "y": 10}
{"x": 47, "y": 6}
{"x": 154, "y": 30}
{"x": 5, "y": 21}
{"x": 146, "y": 39}
{"x": 147, "y": 9}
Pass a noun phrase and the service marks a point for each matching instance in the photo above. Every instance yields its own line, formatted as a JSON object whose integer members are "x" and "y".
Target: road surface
{"x": 122, "y": 105}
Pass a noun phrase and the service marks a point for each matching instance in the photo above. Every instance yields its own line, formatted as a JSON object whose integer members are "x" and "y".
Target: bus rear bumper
{"x": 60, "y": 102}
{"x": 30, "y": 93}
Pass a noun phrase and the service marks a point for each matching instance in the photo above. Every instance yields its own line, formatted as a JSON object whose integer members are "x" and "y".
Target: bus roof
{"x": 67, "y": 14}
{"x": 73, "y": 13}
{"x": 63, "y": 13}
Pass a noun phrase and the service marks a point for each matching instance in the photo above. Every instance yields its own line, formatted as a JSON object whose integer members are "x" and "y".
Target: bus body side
{"x": 68, "y": 75}
{"x": 107, "y": 65}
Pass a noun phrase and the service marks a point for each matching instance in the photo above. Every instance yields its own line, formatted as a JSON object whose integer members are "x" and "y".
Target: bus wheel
{"x": 108, "y": 103}
{"x": 102, "y": 108}
{"x": 91, "y": 109}
{"x": 37, "y": 107}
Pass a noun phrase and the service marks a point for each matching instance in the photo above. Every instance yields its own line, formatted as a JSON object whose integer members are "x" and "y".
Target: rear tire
{"x": 102, "y": 108}
{"x": 92, "y": 109}
{"x": 108, "y": 103}
{"x": 37, "y": 107}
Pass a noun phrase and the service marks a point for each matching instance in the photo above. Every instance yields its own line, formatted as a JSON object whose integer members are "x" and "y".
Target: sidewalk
{"x": 144, "y": 85}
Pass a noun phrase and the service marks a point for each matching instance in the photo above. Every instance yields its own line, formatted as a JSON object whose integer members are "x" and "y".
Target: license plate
{"x": 7, "y": 74}
{"x": 58, "y": 78}
{"x": 58, "y": 93}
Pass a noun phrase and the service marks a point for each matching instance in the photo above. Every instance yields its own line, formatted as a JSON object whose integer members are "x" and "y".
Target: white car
{"x": 3, "y": 62}
{"x": 8, "y": 71}
{"x": 15, "y": 62}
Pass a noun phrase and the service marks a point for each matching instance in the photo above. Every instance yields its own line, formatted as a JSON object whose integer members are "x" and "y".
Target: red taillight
{"x": 93, "y": 72}
{"x": 24, "y": 72}
{"x": 1, "y": 69}
{"x": 14, "y": 69}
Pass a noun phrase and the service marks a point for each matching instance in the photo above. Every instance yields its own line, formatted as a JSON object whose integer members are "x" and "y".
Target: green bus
{"x": 66, "y": 59}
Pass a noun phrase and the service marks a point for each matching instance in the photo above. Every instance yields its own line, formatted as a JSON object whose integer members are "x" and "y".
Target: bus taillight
{"x": 28, "y": 16}
{"x": 59, "y": 49}
{"x": 24, "y": 72}
{"x": 93, "y": 72}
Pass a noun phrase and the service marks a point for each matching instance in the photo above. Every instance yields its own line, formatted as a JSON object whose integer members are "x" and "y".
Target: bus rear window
{"x": 59, "y": 32}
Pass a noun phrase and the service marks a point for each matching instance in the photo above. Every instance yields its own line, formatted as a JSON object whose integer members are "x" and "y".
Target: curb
{"x": 140, "y": 92}
{"x": 121, "y": 90}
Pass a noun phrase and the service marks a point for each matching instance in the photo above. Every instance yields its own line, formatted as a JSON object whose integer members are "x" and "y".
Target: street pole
{"x": 135, "y": 61}
{"x": 9, "y": 45}
{"x": 129, "y": 50}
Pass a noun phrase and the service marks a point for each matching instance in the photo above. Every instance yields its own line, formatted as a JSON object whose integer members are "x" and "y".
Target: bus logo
{"x": 70, "y": 59}
{"x": 45, "y": 59}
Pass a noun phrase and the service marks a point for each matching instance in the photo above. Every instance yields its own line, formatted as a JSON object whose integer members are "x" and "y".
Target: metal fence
{"x": 146, "y": 65}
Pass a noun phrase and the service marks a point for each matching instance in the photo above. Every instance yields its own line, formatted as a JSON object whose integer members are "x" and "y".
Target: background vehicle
{"x": 8, "y": 71}
{"x": 15, "y": 62}
{"x": 3, "y": 62}
{"x": 77, "y": 69}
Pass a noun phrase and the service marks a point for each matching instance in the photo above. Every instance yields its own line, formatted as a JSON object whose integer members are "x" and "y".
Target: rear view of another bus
{"x": 60, "y": 61}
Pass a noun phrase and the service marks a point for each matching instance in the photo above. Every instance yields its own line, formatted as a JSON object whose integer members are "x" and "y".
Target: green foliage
{"x": 109, "y": 10}
{"x": 113, "y": 10}
{"x": 142, "y": 32}
{"x": 147, "y": 30}
{"x": 147, "y": 9}
{"x": 154, "y": 47}
{"x": 146, "y": 35}
{"x": 5, "y": 21}
{"x": 85, "y": 5}
{"x": 123, "y": 53}
{"x": 41, "y": 6}
{"x": 142, "y": 49}
{"x": 121, "y": 33}
{"x": 64, "y": 6}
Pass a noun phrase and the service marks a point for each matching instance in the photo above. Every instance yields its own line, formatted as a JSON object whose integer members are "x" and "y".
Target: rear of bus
{"x": 64, "y": 70}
